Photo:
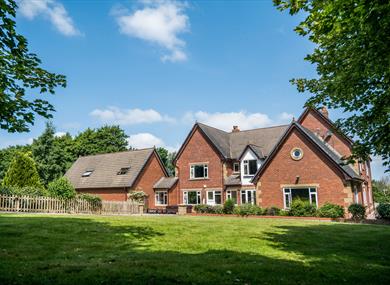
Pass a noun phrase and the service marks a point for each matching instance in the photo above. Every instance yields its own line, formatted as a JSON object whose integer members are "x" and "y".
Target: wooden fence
{"x": 37, "y": 204}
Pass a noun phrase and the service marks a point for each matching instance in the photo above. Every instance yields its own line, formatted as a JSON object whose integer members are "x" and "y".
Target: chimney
{"x": 324, "y": 112}
{"x": 235, "y": 129}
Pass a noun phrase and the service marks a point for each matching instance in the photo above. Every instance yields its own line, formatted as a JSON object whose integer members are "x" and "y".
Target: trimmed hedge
{"x": 302, "y": 208}
{"x": 248, "y": 209}
{"x": 329, "y": 210}
{"x": 384, "y": 210}
{"x": 208, "y": 209}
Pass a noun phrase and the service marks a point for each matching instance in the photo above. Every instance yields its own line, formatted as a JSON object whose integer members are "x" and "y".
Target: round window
{"x": 296, "y": 153}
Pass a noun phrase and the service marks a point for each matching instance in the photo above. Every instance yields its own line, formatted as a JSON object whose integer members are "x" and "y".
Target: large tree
{"x": 7, "y": 155}
{"x": 21, "y": 77}
{"x": 167, "y": 158}
{"x": 352, "y": 58}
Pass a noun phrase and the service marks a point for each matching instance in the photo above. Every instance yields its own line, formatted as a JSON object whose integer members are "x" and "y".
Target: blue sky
{"x": 155, "y": 67}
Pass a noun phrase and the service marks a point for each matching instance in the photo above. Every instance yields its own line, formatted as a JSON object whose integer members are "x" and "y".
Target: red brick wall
{"x": 152, "y": 172}
{"x": 312, "y": 121}
{"x": 108, "y": 194}
{"x": 199, "y": 150}
{"x": 313, "y": 168}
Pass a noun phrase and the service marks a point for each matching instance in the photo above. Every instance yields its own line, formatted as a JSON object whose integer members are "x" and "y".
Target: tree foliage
{"x": 61, "y": 188}
{"x": 22, "y": 172}
{"x": 381, "y": 190}
{"x": 20, "y": 73}
{"x": 167, "y": 158}
{"x": 353, "y": 63}
{"x": 7, "y": 155}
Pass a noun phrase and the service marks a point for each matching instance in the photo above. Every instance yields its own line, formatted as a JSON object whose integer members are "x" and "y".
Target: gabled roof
{"x": 233, "y": 180}
{"x": 105, "y": 169}
{"x": 166, "y": 183}
{"x": 326, "y": 120}
{"x": 255, "y": 149}
{"x": 348, "y": 171}
{"x": 231, "y": 145}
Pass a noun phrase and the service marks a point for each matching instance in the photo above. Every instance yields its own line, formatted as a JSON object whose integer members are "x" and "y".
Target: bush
{"x": 284, "y": 213}
{"x": 329, "y": 210}
{"x": 95, "y": 200}
{"x": 137, "y": 196}
{"x": 301, "y": 208}
{"x": 228, "y": 207}
{"x": 61, "y": 188}
{"x": 200, "y": 208}
{"x": 357, "y": 211}
{"x": 384, "y": 210}
{"x": 248, "y": 209}
{"x": 20, "y": 191}
{"x": 272, "y": 211}
{"x": 208, "y": 209}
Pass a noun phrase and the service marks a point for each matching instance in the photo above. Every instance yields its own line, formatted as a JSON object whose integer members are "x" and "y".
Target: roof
{"x": 347, "y": 169}
{"x": 165, "y": 183}
{"x": 105, "y": 169}
{"x": 232, "y": 145}
{"x": 233, "y": 180}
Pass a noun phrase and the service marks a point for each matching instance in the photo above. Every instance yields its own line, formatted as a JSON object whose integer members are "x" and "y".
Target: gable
{"x": 318, "y": 124}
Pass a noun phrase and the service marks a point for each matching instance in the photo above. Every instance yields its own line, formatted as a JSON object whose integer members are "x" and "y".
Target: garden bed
{"x": 270, "y": 217}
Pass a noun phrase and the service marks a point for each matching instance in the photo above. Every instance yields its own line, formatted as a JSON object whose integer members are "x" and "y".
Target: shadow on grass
{"x": 45, "y": 250}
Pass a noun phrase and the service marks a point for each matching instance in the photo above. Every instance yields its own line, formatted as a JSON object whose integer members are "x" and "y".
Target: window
{"x": 236, "y": 167}
{"x": 356, "y": 194}
{"x": 191, "y": 197}
{"x": 161, "y": 197}
{"x": 250, "y": 167}
{"x": 214, "y": 197}
{"x": 296, "y": 153}
{"x": 230, "y": 194}
{"x": 248, "y": 197}
{"x": 199, "y": 171}
{"x": 123, "y": 171}
{"x": 308, "y": 194}
{"x": 87, "y": 173}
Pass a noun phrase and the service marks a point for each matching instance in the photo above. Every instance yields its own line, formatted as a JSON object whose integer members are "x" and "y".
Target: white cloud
{"x": 52, "y": 10}
{"x": 285, "y": 117}
{"x": 226, "y": 121}
{"x": 158, "y": 22}
{"x": 127, "y": 117}
{"x": 144, "y": 140}
{"x": 59, "y": 134}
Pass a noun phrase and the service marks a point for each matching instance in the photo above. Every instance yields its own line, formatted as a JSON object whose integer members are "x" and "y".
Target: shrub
{"x": 357, "y": 211}
{"x": 228, "y": 207}
{"x": 248, "y": 209}
{"x": 95, "y": 200}
{"x": 137, "y": 196}
{"x": 19, "y": 191}
{"x": 208, "y": 209}
{"x": 272, "y": 211}
{"x": 384, "y": 210}
{"x": 22, "y": 172}
{"x": 200, "y": 208}
{"x": 61, "y": 188}
{"x": 300, "y": 208}
{"x": 284, "y": 213}
{"x": 217, "y": 209}
{"x": 329, "y": 210}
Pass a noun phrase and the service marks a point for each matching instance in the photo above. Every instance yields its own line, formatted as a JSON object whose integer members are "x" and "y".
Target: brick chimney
{"x": 235, "y": 129}
{"x": 324, "y": 112}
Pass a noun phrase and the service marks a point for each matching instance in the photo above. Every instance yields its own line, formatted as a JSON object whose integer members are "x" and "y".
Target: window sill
{"x": 196, "y": 179}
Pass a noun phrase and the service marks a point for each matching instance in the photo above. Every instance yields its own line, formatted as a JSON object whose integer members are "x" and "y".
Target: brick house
{"x": 271, "y": 166}
{"x": 112, "y": 176}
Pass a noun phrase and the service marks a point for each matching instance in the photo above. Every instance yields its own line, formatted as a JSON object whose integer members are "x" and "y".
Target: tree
{"x": 352, "y": 59}
{"x": 7, "y": 155}
{"x": 22, "y": 172}
{"x": 61, "y": 188}
{"x": 53, "y": 155}
{"x": 381, "y": 190}
{"x": 106, "y": 139}
{"x": 20, "y": 72}
{"x": 167, "y": 159}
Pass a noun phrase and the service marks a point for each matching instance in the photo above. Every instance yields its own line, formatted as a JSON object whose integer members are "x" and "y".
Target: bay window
{"x": 250, "y": 167}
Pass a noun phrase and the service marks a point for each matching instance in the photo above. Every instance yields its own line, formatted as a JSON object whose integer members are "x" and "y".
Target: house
{"x": 112, "y": 176}
{"x": 270, "y": 166}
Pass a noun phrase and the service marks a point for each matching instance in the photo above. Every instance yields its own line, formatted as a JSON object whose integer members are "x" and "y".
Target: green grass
{"x": 43, "y": 249}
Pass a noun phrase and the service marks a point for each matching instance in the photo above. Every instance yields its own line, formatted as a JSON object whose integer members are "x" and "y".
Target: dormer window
{"x": 250, "y": 167}
{"x": 87, "y": 173}
{"x": 123, "y": 171}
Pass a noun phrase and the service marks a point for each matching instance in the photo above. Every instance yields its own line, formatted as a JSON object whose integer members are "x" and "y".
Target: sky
{"x": 156, "y": 67}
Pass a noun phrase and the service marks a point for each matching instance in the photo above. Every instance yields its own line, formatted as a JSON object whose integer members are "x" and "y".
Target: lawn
{"x": 43, "y": 249}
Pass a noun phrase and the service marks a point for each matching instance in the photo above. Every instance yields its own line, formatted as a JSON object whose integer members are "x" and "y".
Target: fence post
{"x": 141, "y": 209}
{"x": 17, "y": 200}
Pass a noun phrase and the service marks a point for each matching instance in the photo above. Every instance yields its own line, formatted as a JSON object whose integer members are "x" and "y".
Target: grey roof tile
{"x": 166, "y": 183}
{"x": 233, "y": 180}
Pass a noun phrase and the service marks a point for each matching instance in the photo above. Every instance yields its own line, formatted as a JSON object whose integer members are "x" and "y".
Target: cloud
{"x": 285, "y": 117}
{"x": 59, "y": 134}
{"x": 52, "y": 10}
{"x": 126, "y": 117}
{"x": 226, "y": 121}
{"x": 158, "y": 22}
{"x": 145, "y": 140}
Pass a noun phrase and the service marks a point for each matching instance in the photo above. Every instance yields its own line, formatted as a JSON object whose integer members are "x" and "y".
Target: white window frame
{"x": 205, "y": 171}
{"x": 356, "y": 195}
{"x": 234, "y": 167}
{"x": 198, "y": 197}
{"x": 212, "y": 200}
{"x": 287, "y": 195}
{"x": 165, "y": 197}
{"x": 229, "y": 195}
{"x": 247, "y": 168}
{"x": 245, "y": 193}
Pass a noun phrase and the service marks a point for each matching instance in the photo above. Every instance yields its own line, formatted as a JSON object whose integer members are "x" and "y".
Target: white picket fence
{"x": 37, "y": 204}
